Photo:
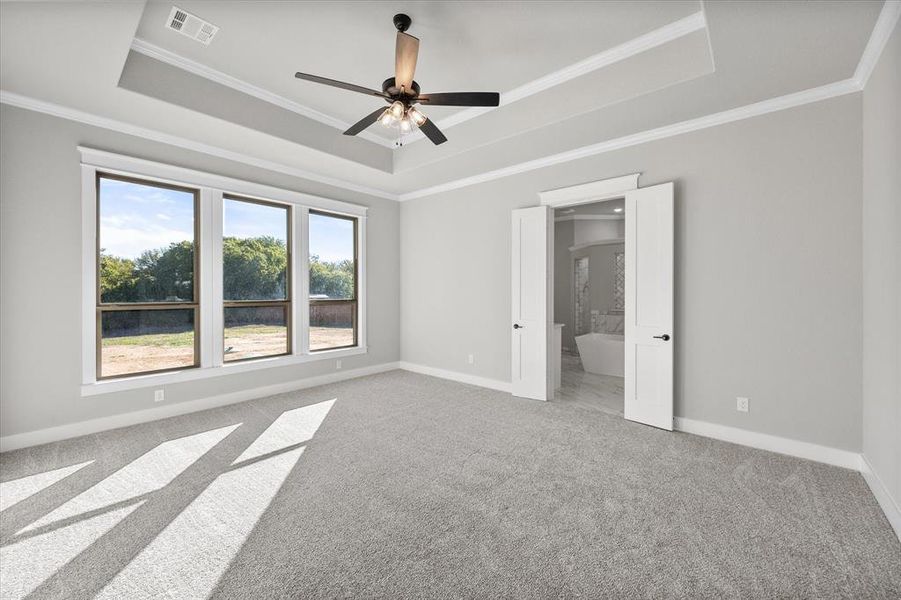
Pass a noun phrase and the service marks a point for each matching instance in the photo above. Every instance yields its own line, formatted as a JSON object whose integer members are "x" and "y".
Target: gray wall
{"x": 882, "y": 268}
{"x": 768, "y": 255}
{"x": 40, "y": 271}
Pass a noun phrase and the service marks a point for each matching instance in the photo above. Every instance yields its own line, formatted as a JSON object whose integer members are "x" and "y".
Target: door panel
{"x": 532, "y": 257}
{"x": 649, "y": 306}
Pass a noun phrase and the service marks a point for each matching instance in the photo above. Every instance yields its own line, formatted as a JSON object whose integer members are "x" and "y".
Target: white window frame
{"x": 212, "y": 189}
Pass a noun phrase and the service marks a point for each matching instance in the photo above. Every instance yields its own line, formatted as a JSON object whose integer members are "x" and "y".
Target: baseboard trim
{"x": 71, "y": 430}
{"x": 494, "y": 384}
{"x": 888, "y": 504}
{"x": 764, "y": 441}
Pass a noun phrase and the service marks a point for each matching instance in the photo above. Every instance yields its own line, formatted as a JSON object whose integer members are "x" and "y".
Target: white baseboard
{"x": 494, "y": 384}
{"x": 888, "y": 504}
{"x": 763, "y": 441}
{"x": 63, "y": 432}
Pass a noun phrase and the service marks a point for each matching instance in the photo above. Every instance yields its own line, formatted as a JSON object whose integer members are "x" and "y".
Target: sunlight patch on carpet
{"x": 189, "y": 556}
{"x": 13, "y": 492}
{"x": 147, "y": 473}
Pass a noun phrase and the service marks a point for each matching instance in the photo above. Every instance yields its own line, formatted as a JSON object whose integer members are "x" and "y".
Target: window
{"x": 619, "y": 281}
{"x": 256, "y": 267}
{"x": 333, "y": 281}
{"x": 190, "y": 275}
{"x": 147, "y": 293}
{"x": 581, "y": 295}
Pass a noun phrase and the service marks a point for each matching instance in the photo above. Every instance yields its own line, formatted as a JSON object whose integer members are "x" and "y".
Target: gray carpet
{"x": 408, "y": 486}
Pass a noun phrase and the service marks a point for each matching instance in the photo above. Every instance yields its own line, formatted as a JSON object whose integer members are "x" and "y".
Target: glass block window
{"x": 582, "y": 288}
{"x": 619, "y": 281}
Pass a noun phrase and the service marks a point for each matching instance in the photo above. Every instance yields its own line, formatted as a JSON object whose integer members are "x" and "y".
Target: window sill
{"x": 157, "y": 379}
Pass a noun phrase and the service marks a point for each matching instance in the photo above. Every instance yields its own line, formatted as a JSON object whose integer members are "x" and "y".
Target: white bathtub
{"x": 602, "y": 353}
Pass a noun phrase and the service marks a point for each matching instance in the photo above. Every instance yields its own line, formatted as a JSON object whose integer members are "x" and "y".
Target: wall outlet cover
{"x": 159, "y": 395}
{"x": 338, "y": 364}
{"x": 742, "y": 404}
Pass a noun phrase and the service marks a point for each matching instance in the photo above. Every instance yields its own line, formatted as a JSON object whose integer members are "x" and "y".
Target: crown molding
{"x": 71, "y": 114}
{"x": 191, "y": 66}
{"x": 757, "y": 109}
{"x": 882, "y": 31}
{"x": 642, "y": 43}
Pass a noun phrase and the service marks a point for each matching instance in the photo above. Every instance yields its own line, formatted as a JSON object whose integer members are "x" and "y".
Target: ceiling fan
{"x": 402, "y": 93}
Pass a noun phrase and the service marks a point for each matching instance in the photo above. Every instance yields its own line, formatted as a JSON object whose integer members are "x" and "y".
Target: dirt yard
{"x": 141, "y": 353}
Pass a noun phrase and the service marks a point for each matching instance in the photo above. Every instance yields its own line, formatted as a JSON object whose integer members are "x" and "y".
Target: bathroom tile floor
{"x": 601, "y": 392}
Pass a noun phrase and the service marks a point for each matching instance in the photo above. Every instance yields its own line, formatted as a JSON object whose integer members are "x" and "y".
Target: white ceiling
{"x": 464, "y": 46}
{"x": 651, "y": 71}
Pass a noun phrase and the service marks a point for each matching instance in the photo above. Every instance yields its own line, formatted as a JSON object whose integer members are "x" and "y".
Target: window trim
{"x": 102, "y": 307}
{"x": 209, "y": 319}
{"x": 334, "y": 301}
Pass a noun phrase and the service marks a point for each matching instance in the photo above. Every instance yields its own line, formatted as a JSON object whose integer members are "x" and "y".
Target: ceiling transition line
{"x": 882, "y": 31}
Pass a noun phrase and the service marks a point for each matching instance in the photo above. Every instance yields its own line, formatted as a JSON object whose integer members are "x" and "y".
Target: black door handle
{"x": 518, "y": 326}
{"x": 664, "y": 337}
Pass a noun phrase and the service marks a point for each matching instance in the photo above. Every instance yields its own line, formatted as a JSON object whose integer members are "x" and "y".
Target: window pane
{"x": 146, "y": 236}
{"x": 254, "y": 251}
{"x": 332, "y": 325}
{"x": 137, "y": 341}
{"x": 255, "y": 331}
{"x": 332, "y": 257}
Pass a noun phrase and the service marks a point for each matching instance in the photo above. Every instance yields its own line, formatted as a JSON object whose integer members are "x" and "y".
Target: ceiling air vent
{"x": 191, "y": 26}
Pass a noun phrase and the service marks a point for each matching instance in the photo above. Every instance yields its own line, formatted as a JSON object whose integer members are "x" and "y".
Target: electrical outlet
{"x": 741, "y": 404}
{"x": 338, "y": 364}
{"x": 159, "y": 395}
{"x": 471, "y": 359}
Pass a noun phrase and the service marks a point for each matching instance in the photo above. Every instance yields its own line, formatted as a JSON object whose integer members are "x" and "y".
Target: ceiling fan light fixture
{"x": 387, "y": 119}
{"x": 401, "y": 91}
{"x": 417, "y": 117}
{"x": 397, "y": 109}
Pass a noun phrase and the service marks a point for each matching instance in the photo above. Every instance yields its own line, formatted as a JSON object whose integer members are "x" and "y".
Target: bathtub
{"x": 602, "y": 353}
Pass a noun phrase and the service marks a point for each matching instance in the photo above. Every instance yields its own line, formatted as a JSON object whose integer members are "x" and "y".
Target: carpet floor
{"x": 405, "y": 486}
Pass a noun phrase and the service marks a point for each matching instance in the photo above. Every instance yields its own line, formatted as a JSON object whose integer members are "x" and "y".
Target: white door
{"x": 533, "y": 257}
{"x": 649, "y": 306}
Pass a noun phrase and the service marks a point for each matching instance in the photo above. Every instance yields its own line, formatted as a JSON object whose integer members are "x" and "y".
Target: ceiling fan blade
{"x": 432, "y": 132}
{"x": 406, "y": 53}
{"x": 340, "y": 84}
{"x": 461, "y": 99}
{"x": 364, "y": 122}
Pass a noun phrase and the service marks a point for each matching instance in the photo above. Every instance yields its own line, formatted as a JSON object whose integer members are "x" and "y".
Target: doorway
{"x": 589, "y": 303}
{"x": 639, "y": 335}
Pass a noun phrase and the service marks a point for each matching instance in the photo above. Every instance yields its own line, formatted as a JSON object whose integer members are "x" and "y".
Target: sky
{"x": 135, "y": 218}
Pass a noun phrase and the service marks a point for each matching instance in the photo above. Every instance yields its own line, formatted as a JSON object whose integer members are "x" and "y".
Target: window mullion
{"x": 90, "y": 339}
{"x": 214, "y": 335}
{"x": 301, "y": 292}
{"x": 360, "y": 288}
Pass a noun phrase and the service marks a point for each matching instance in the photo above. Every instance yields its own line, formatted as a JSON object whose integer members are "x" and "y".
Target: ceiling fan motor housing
{"x": 407, "y": 97}
{"x": 402, "y": 22}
